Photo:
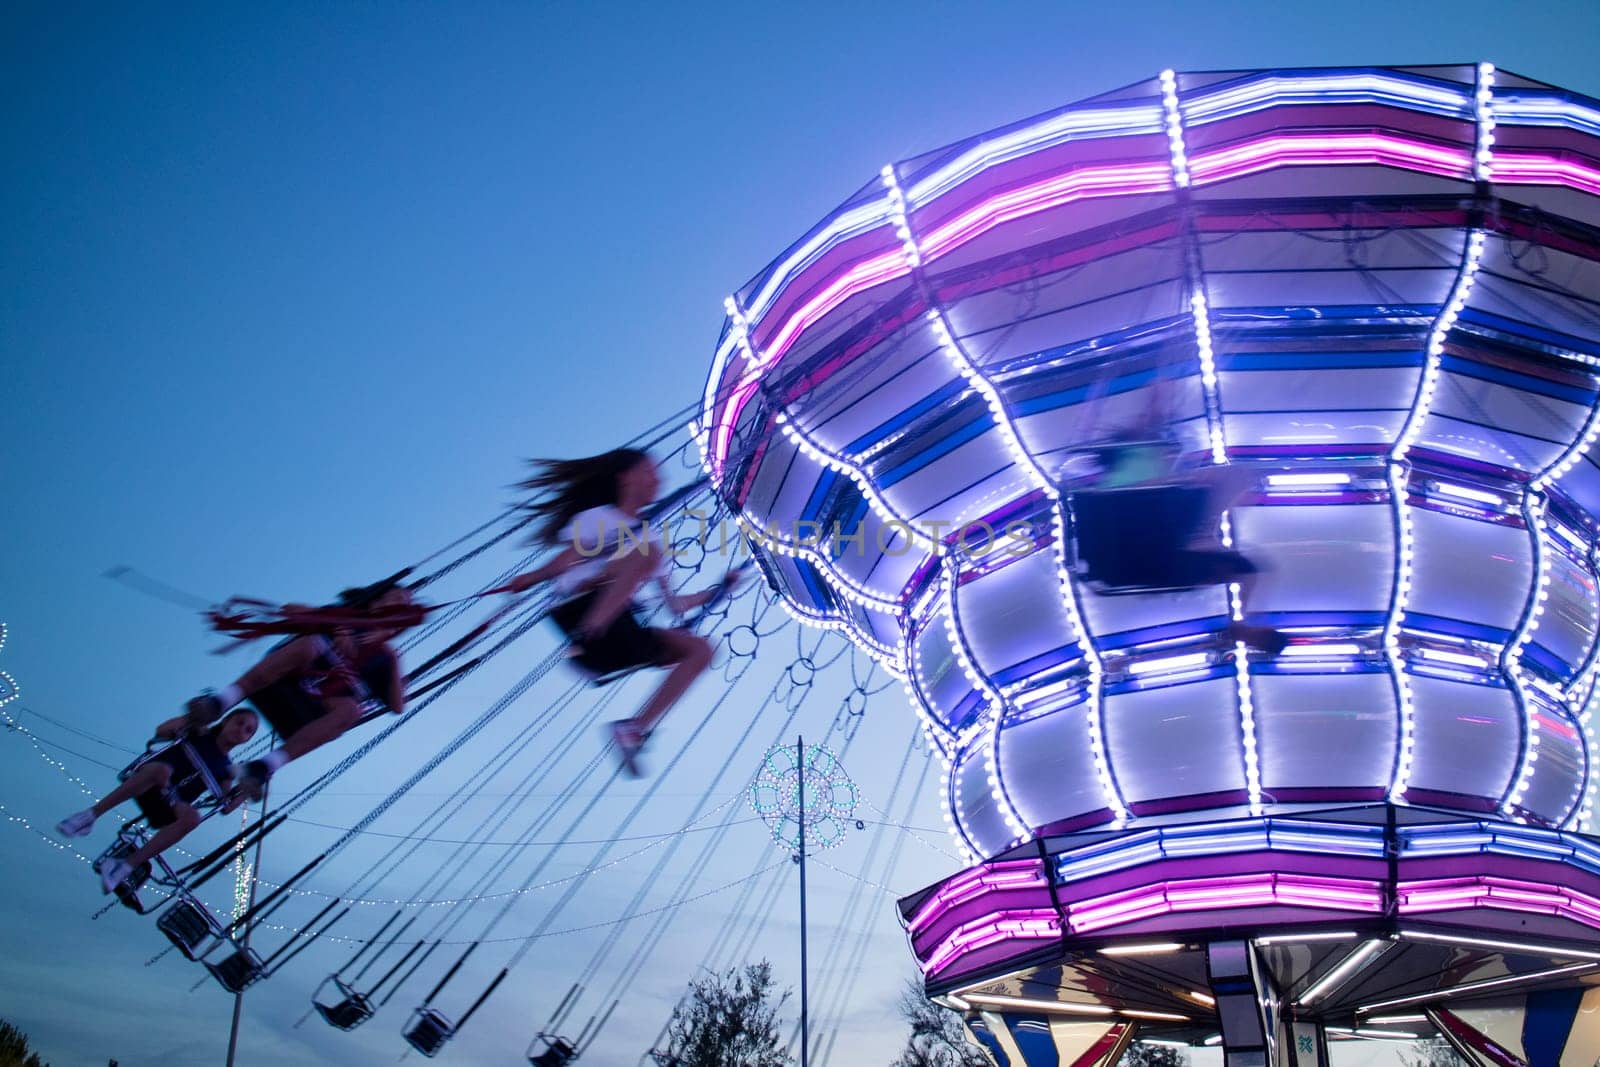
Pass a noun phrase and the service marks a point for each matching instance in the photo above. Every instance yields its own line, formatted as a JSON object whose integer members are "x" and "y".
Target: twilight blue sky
{"x": 287, "y": 290}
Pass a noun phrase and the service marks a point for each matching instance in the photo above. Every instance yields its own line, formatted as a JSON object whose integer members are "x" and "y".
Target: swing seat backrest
{"x": 1124, "y": 535}
{"x": 556, "y": 1051}
{"x": 238, "y": 970}
{"x": 429, "y": 1031}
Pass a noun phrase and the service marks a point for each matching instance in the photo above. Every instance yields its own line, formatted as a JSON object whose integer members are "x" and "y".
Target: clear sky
{"x": 287, "y": 290}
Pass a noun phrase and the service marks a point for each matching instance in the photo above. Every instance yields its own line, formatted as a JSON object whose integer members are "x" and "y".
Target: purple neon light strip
{"x": 1022, "y": 924}
{"x": 1267, "y": 889}
{"x": 1536, "y": 168}
{"x": 974, "y": 883}
{"x": 1507, "y": 894}
{"x": 1265, "y": 153}
{"x": 1323, "y": 149}
{"x": 1361, "y": 896}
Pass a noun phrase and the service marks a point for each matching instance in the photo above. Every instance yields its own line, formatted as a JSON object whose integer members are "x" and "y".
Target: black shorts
{"x": 626, "y": 644}
{"x": 157, "y": 805}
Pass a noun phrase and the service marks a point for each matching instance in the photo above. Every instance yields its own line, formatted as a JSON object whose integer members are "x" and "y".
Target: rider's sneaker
{"x": 629, "y": 739}
{"x": 112, "y": 874}
{"x": 78, "y": 824}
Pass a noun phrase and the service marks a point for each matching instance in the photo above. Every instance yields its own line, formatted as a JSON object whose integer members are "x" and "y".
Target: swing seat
{"x": 350, "y": 1012}
{"x": 190, "y": 927}
{"x": 1135, "y": 541}
{"x": 429, "y": 1031}
{"x": 551, "y": 1050}
{"x": 239, "y": 970}
{"x": 129, "y": 838}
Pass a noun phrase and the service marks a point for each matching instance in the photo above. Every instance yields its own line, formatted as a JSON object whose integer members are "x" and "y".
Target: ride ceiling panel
{"x": 1496, "y": 562}
{"x": 1096, "y": 418}
{"x": 1156, "y": 271}
{"x": 1048, "y": 767}
{"x": 884, "y": 627}
{"x": 1175, "y": 741}
{"x": 884, "y": 559}
{"x": 1536, "y": 284}
{"x": 1582, "y": 484}
{"x": 1542, "y": 427}
{"x": 1319, "y": 557}
{"x": 941, "y": 681}
{"x": 1567, "y": 628}
{"x": 1376, "y": 393}
{"x": 1325, "y": 731}
{"x": 1108, "y": 616}
{"x": 784, "y": 482}
{"x": 1014, "y": 614}
{"x": 1467, "y": 738}
{"x": 1556, "y": 776}
{"x": 951, "y": 495}
{"x": 867, "y": 400}
{"x": 980, "y": 815}
{"x": 1033, "y": 331}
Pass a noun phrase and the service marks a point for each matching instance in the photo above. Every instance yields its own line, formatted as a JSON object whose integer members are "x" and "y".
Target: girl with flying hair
{"x": 593, "y": 509}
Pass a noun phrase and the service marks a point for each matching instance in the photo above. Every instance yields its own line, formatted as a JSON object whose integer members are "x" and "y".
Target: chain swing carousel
{"x": 1267, "y": 720}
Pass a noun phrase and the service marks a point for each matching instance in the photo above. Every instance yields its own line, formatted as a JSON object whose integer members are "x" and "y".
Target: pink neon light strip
{"x": 1300, "y": 150}
{"x": 1508, "y": 894}
{"x": 1032, "y": 924}
{"x": 1163, "y": 898}
{"x": 974, "y": 883}
{"x": 1264, "y": 153}
{"x": 1531, "y": 168}
{"x": 1081, "y": 183}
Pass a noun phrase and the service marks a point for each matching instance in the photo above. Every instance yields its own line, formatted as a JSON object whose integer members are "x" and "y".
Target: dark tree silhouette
{"x": 1138, "y": 1054}
{"x": 937, "y": 1038}
{"x": 727, "y": 1020}
{"x": 1431, "y": 1052}
{"x": 14, "y": 1051}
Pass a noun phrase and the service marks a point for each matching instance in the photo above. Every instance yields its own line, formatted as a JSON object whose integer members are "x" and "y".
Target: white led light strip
{"x": 975, "y": 378}
{"x": 998, "y": 704}
{"x": 1483, "y": 113}
{"x": 841, "y": 464}
{"x": 880, "y": 653}
{"x": 1511, "y": 654}
{"x": 849, "y": 589}
{"x": 1398, "y": 471}
{"x": 1200, "y": 312}
{"x": 1284, "y": 90}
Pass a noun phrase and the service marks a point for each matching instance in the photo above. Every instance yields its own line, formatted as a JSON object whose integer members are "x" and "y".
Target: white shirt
{"x": 601, "y": 535}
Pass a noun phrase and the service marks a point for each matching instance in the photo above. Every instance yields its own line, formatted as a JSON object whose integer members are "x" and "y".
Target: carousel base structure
{"x": 1271, "y": 937}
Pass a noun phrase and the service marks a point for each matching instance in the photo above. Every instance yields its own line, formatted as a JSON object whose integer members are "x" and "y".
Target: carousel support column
{"x": 1308, "y": 1045}
{"x": 1248, "y": 1008}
